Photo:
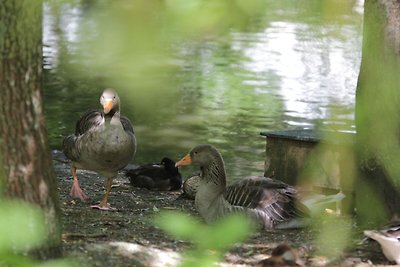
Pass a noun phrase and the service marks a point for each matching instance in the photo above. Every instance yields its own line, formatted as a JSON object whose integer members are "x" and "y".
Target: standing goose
{"x": 103, "y": 142}
{"x": 272, "y": 203}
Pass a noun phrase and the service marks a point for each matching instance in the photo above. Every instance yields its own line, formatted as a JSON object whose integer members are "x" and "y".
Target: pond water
{"x": 296, "y": 69}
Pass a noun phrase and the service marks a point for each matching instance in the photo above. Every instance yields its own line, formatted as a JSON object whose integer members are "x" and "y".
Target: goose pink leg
{"x": 76, "y": 191}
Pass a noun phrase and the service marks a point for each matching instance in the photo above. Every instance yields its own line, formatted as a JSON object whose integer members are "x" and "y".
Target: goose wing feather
{"x": 126, "y": 124}
{"x": 89, "y": 120}
{"x": 275, "y": 198}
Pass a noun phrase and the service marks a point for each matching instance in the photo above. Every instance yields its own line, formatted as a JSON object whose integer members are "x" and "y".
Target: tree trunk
{"x": 26, "y": 161}
{"x": 378, "y": 113}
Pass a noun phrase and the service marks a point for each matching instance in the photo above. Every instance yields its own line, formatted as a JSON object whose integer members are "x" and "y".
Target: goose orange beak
{"x": 186, "y": 160}
{"x": 107, "y": 106}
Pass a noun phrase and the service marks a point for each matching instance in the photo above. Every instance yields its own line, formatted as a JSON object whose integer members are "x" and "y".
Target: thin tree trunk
{"x": 378, "y": 113}
{"x": 26, "y": 161}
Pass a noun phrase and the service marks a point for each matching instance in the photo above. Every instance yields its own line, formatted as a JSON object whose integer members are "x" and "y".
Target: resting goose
{"x": 103, "y": 142}
{"x": 389, "y": 239}
{"x": 162, "y": 176}
{"x": 272, "y": 203}
{"x": 190, "y": 186}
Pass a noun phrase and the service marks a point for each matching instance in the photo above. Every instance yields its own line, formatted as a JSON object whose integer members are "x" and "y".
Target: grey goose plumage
{"x": 272, "y": 203}
{"x": 190, "y": 186}
{"x": 104, "y": 142}
{"x": 389, "y": 239}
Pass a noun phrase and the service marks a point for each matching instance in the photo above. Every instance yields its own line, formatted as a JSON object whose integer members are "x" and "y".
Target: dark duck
{"x": 161, "y": 176}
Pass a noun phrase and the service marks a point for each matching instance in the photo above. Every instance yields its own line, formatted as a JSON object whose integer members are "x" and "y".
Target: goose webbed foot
{"x": 77, "y": 192}
{"x": 106, "y": 207}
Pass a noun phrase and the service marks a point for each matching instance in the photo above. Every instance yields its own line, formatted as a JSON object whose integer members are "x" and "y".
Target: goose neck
{"x": 215, "y": 173}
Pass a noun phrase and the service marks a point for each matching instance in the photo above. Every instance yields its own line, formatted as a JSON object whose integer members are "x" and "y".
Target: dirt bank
{"x": 127, "y": 237}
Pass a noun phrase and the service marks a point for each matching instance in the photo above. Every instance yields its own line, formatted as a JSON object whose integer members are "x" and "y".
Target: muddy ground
{"x": 128, "y": 236}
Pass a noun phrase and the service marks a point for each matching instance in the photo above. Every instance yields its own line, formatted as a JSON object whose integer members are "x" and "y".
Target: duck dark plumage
{"x": 104, "y": 142}
{"x": 272, "y": 203}
{"x": 162, "y": 176}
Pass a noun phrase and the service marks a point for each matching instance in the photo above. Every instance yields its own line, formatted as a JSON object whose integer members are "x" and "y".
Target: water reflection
{"x": 293, "y": 70}
{"x": 314, "y": 70}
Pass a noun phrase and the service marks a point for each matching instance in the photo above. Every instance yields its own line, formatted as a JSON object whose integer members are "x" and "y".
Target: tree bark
{"x": 378, "y": 113}
{"x": 26, "y": 164}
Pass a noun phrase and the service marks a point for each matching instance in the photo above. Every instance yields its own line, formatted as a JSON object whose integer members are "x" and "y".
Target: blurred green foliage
{"x": 210, "y": 242}
{"x": 136, "y": 47}
{"x": 334, "y": 235}
{"x": 19, "y": 235}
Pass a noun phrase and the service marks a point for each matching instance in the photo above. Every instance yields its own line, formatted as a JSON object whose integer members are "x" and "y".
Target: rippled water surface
{"x": 296, "y": 69}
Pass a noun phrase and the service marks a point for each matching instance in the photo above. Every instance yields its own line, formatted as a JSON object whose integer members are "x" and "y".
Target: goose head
{"x": 212, "y": 167}
{"x": 201, "y": 155}
{"x": 109, "y": 99}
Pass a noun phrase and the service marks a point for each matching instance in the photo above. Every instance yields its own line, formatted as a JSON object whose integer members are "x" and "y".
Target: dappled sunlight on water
{"x": 291, "y": 71}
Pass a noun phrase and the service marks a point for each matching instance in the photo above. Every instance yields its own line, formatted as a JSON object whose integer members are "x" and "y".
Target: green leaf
{"x": 179, "y": 225}
{"x": 59, "y": 263}
{"x": 199, "y": 260}
{"x": 21, "y": 226}
{"x": 334, "y": 235}
{"x": 10, "y": 259}
{"x": 226, "y": 232}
